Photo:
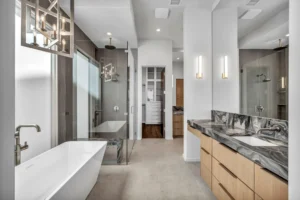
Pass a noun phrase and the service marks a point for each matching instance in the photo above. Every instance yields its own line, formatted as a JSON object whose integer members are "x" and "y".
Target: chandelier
{"x": 48, "y": 26}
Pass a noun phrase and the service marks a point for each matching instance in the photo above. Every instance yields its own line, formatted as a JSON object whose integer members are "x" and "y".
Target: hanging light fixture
{"x": 50, "y": 22}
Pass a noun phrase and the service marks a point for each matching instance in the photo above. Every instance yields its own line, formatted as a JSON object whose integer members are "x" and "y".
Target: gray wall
{"x": 7, "y": 98}
{"x": 114, "y": 93}
{"x": 66, "y": 103}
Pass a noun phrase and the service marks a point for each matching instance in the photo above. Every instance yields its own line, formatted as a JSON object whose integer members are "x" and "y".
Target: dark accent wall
{"x": 114, "y": 93}
{"x": 66, "y": 103}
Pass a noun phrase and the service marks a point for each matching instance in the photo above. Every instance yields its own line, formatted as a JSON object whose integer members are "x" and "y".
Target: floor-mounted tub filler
{"x": 68, "y": 171}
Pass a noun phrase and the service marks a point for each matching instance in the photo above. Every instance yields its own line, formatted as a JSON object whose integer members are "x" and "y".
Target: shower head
{"x": 110, "y": 46}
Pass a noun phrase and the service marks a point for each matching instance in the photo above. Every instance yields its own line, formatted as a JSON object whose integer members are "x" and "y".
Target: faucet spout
{"x": 18, "y": 146}
{"x": 37, "y": 127}
{"x": 275, "y": 128}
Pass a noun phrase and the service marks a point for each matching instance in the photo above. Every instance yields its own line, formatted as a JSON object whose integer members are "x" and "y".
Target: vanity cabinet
{"x": 268, "y": 186}
{"x": 232, "y": 176}
{"x": 178, "y": 125}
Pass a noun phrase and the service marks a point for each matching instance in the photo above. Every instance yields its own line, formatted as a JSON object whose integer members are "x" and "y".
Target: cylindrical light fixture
{"x": 282, "y": 82}
{"x": 199, "y": 74}
{"x": 225, "y": 68}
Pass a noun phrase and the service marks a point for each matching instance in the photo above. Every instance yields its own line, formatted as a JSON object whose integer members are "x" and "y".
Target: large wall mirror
{"x": 250, "y": 57}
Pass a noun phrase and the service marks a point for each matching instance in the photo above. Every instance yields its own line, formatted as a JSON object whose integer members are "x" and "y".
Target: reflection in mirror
{"x": 263, "y": 58}
{"x": 255, "y": 40}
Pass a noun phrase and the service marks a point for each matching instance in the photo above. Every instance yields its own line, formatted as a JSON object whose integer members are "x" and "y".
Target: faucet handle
{"x": 24, "y": 147}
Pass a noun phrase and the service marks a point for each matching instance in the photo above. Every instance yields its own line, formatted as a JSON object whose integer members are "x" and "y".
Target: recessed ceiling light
{"x": 287, "y": 35}
{"x": 158, "y": 30}
{"x": 108, "y": 33}
{"x": 178, "y": 58}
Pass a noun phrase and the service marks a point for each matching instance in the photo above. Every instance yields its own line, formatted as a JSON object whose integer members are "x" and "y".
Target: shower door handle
{"x": 131, "y": 109}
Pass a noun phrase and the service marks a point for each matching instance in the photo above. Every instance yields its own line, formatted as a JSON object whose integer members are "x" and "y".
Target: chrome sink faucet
{"x": 18, "y": 146}
{"x": 274, "y": 128}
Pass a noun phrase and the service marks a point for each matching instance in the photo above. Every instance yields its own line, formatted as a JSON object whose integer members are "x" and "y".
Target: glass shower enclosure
{"x": 101, "y": 101}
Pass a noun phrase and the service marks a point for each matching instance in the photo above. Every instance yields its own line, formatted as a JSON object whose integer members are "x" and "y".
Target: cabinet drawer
{"x": 219, "y": 190}
{"x": 178, "y": 125}
{"x": 178, "y": 118}
{"x": 206, "y": 143}
{"x": 177, "y": 131}
{"x": 258, "y": 197}
{"x": 269, "y": 186}
{"x": 205, "y": 174}
{"x": 194, "y": 131}
{"x": 225, "y": 177}
{"x": 245, "y": 171}
{"x": 205, "y": 158}
{"x": 244, "y": 192}
{"x": 226, "y": 156}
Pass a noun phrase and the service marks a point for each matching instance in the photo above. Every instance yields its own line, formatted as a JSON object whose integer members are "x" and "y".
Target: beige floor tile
{"x": 156, "y": 171}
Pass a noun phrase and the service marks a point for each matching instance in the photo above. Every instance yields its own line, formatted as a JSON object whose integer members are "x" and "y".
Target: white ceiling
{"x": 97, "y": 17}
{"x": 176, "y": 55}
{"x": 264, "y": 31}
{"x": 269, "y": 9}
{"x": 171, "y": 28}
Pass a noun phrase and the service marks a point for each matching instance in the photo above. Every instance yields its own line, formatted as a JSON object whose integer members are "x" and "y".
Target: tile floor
{"x": 156, "y": 171}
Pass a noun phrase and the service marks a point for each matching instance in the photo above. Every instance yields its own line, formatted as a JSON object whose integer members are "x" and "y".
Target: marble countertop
{"x": 272, "y": 158}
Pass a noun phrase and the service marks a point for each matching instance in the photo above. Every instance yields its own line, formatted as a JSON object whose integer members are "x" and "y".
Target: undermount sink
{"x": 253, "y": 141}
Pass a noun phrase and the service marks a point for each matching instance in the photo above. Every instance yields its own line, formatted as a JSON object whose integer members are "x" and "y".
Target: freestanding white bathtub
{"x": 66, "y": 172}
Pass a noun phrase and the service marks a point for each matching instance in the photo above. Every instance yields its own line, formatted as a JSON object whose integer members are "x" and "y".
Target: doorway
{"x": 153, "y": 102}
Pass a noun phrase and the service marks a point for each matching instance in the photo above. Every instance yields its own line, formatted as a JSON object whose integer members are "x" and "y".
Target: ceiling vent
{"x": 250, "y": 14}
{"x": 175, "y": 2}
{"x": 162, "y": 13}
{"x": 252, "y": 2}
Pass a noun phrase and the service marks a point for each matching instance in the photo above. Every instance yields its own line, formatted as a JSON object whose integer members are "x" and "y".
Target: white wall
{"x": 197, "y": 93}
{"x": 294, "y": 99}
{"x": 156, "y": 53}
{"x": 225, "y": 42}
{"x": 7, "y": 98}
{"x": 177, "y": 74}
{"x": 33, "y": 96}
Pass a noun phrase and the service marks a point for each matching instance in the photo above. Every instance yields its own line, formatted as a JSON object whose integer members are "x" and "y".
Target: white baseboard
{"x": 191, "y": 159}
{"x": 169, "y": 138}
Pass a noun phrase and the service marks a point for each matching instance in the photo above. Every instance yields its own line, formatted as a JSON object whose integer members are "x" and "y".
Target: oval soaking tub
{"x": 68, "y": 171}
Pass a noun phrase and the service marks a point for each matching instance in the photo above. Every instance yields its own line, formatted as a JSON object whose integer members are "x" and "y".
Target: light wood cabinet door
{"x": 268, "y": 186}
{"x": 195, "y": 132}
{"x": 226, "y": 156}
{"x": 206, "y": 143}
{"x": 178, "y": 118}
{"x": 245, "y": 170}
{"x": 205, "y": 158}
{"x": 219, "y": 191}
{"x": 205, "y": 174}
{"x": 225, "y": 177}
{"x": 177, "y": 131}
{"x": 244, "y": 192}
{"x": 258, "y": 197}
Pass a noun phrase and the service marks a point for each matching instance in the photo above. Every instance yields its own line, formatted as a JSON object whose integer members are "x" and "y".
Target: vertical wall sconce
{"x": 225, "y": 68}
{"x": 199, "y": 74}
{"x": 172, "y": 80}
{"x": 282, "y": 82}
